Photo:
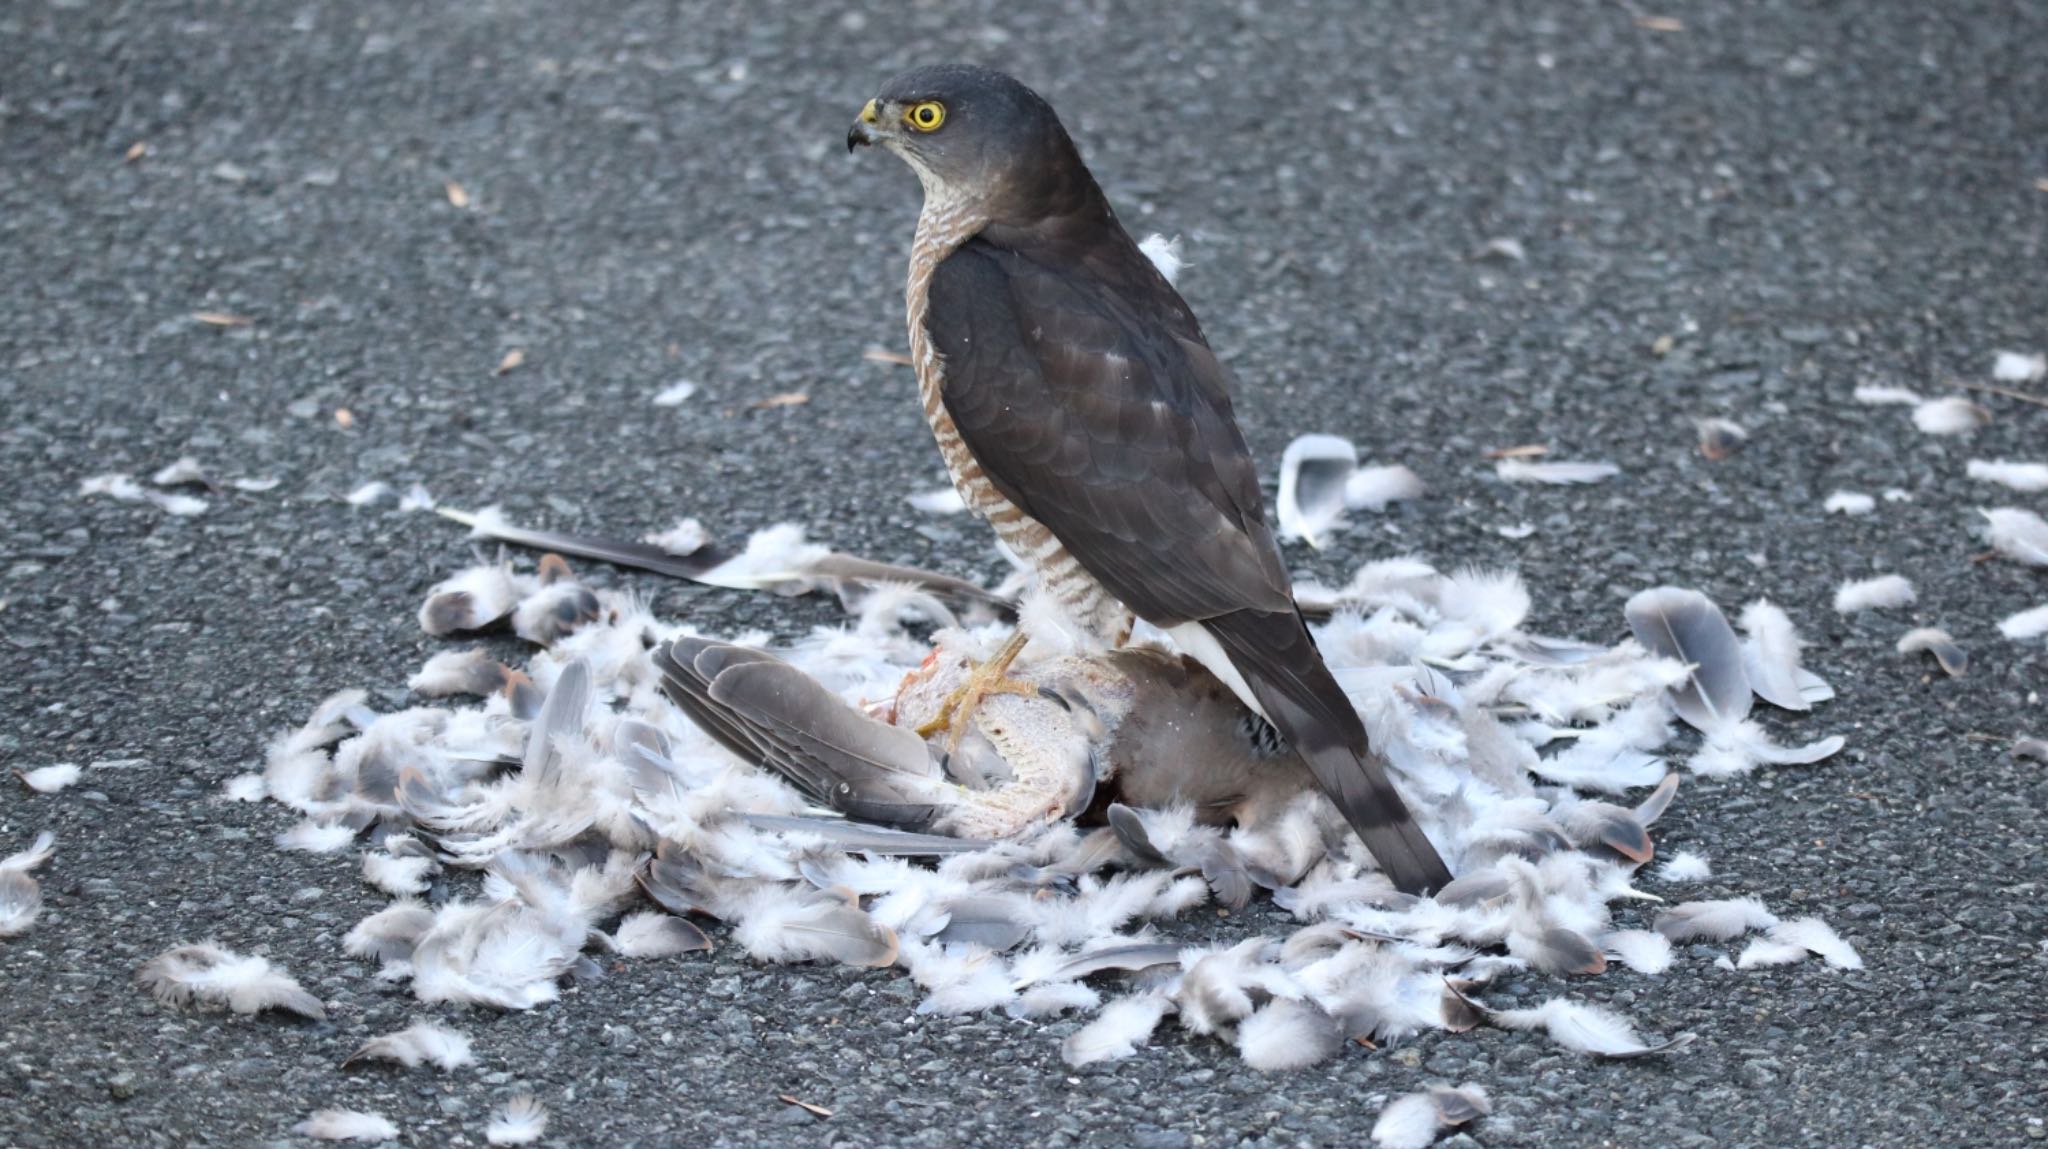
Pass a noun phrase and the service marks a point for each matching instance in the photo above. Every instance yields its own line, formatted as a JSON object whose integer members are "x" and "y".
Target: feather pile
{"x": 571, "y": 795}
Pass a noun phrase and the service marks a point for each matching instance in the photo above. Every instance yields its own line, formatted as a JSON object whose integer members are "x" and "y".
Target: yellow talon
{"x": 990, "y": 677}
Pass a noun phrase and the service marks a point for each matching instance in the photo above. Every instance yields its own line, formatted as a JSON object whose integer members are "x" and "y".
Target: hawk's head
{"x": 977, "y": 136}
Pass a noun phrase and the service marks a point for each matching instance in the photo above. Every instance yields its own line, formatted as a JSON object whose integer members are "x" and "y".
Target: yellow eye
{"x": 925, "y": 116}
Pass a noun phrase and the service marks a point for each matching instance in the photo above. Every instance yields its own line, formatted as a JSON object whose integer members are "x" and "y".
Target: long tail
{"x": 1277, "y": 657}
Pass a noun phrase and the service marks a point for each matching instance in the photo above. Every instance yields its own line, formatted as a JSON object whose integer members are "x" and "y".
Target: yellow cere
{"x": 869, "y": 114}
{"x": 925, "y": 115}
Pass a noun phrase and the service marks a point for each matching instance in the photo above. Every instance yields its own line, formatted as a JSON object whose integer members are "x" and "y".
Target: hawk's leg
{"x": 990, "y": 677}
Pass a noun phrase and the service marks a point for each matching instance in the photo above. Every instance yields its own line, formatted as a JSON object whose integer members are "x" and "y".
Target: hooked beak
{"x": 862, "y": 133}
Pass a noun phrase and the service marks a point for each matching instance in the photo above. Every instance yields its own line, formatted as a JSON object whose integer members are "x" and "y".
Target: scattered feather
{"x": 943, "y": 501}
{"x": 21, "y": 897}
{"x": 1771, "y": 655}
{"x": 1887, "y": 396}
{"x": 685, "y": 538}
{"x": 346, "y": 1125}
{"x": 1644, "y": 951}
{"x": 1314, "y": 473}
{"x": 51, "y": 779}
{"x": 1372, "y": 488}
{"x": 2027, "y": 477}
{"x": 651, "y": 934}
{"x": 520, "y": 1121}
{"x": 125, "y": 489}
{"x": 2035, "y": 748}
{"x": 675, "y": 394}
{"x": 1882, "y": 593}
{"x": 1288, "y": 1033}
{"x": 2017, "y": 534}
{"x": 244, "y": 788}
{"x": 208, "y": 974}
{"x": 1720, "y": 438}
{"x": 2018, "y": 367}
{"x": 316, "y": 837}
{"x": 1685, "y": 866}
{"x": 1686, "y": 626}
{"x": 1715, "y": 920}
{"x": 1414, "y": 1120}
{"x": 416, "y": 498}
{"x": 1819, "y": 939}
{"x": 1118, "y": 1031}
{"x": 421, "y": 1043}
{"x": 2026, "y": 624}
{"x": 1953, "y": 415}
{"x": 1932, "y": 640}
{"x": 1583, "y": 1028}
{"x": 1524, "y": 471}
{"x": 370, "y": 492}
{"x": 1849, "y": 503}
{"x": 1164, "y": 254}
{"x": 185, "y": 470}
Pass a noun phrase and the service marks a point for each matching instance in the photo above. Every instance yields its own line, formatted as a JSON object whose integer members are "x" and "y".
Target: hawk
{"x": 1081, "y": 412}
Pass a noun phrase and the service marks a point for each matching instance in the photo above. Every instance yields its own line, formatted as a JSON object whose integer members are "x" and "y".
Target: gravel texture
{"x": 1801, "y": 197}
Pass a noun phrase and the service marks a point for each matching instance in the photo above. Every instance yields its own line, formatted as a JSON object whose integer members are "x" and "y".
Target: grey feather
{"x": 1686, "y": 625}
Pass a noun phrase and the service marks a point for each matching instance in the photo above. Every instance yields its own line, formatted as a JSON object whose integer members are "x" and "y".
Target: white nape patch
{"x": 941, "y": 501}
{"x": 1849, "y": 503}
{"x": 2026, "y": 624}
{"x": 1372, "y": 488}
{"x": 1953, "y": 415}
{"x": 521, "y": 1121}
{"x": 2018, "y": 534}
{"x": 1881, "y": 593}
{"x": 1197, "y": 643}
{"x": 1686, "y": 866}
{"x": 2019, "y": 367}
{"x": 1164, "y": 254}
{"x": 370, "y": 492}
{"x": 1555, "y": 474}
{"x": 2027, "y": 477}
{"x": 685, "y": 538}
{"x": 1315, "y": 471}
{"x": 1880, "y": 396}
{"x": 51, "y": 779}
{"x": 675, "y": 393}
{"x": 346, "y": 1125}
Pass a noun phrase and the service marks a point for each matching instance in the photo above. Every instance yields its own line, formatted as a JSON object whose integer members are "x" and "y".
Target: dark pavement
{"x": 1803, "y": 196}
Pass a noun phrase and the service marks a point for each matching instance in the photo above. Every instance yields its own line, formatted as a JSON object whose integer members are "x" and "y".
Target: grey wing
{"x": 1113, "y": 430}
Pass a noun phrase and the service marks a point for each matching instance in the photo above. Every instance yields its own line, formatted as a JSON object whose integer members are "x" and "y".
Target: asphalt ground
{"x": 1802, "y": 196}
